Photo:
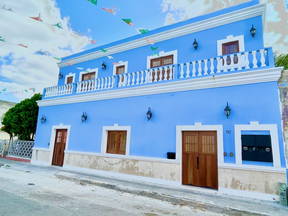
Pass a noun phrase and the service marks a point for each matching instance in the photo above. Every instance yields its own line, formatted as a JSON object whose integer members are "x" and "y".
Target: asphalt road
{"x": 29, "y": 191}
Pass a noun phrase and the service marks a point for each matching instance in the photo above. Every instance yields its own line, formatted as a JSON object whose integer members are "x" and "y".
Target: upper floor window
{"x": 69, "y": 80}
{"x": 120, "y": 69}
{"x": 230, "y": 47}
{"x": 88, "y": 76}
{"x": 231, "y": 44}
{"x": 161, "y": 61}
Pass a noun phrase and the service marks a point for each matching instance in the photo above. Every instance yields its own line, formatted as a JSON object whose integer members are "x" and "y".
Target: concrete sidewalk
{"x": 207, "y": 200}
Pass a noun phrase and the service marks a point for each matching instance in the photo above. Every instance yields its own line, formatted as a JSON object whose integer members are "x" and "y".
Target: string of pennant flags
{"x": 59, "y": 26}
{"x": 129, "y": 22}
{"x": 5, "y": 91}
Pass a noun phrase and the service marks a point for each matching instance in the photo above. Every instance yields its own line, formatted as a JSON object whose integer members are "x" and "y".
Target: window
{"x": 257, "y": 144}
{"x": 69, "y": 79}
{"x": 256, "y": 148}
{"x": 88, "y": 76}
{"x": 230, "y": 47}
{"x": 116, "y": 142}
{"x": 120, "y": 69}
{"x": 162, "y": 61}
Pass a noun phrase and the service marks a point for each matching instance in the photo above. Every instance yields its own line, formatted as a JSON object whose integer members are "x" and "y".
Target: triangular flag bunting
{"x": 23, "y": 45}
{"x": 93, "y": 41}
{"x": 80, "y": 68}
{"x": 93, "y": 1}
{"x": 58, "y": 25}
{"x": 143, "y": 31}
{"x": 2, "y": 39}
{"x": 37, "y": 18}
{"x": 103, "y": 50}
{"x": 128, "y": 21}
{"x": 110, "y": 57}
{"x": 150, "y": 41}
{"x": 153, "y": 48}
{"x": 110, "y": 10}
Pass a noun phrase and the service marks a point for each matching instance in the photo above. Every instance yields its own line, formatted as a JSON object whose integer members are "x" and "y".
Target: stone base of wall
{"x": 153, "y": 169}
{"x": 234, "y": 178}
{"x": 251, "y": 180}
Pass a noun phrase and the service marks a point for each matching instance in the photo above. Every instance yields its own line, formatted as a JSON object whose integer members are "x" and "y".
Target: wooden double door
{"x": 199, "y": 159}
{"x": 59, "y": 147}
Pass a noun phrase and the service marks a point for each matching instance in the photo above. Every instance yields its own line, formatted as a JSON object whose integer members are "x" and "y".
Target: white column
{"x": 181, "y": 71}
{"x": 211, "y": 65}
{"x": 254, "y": 59}
{"x": 187, "y": 70}
{"x": 205, "y": 67}
{"x": 262, "y": 59}
{"x": 193, "y": 69}
{"x": 200, "y": 68}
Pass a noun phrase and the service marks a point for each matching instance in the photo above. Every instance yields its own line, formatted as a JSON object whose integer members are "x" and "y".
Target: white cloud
{"x": 25, "y": 69}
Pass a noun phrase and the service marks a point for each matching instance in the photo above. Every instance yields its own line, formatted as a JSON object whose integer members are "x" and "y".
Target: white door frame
{"x": 52, "y": 140}
{"x": 199, "y": 127}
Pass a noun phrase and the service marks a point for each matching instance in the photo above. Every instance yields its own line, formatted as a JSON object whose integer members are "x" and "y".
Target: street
{"x": 31, "y": 191}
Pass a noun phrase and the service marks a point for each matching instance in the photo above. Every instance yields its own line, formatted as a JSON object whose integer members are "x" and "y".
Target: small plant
{"x": 282, "y": 61}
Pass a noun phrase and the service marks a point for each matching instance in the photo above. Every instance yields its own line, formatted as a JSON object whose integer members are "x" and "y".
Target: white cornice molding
{"x": 238, "y": 78}
{"x": 212, "y": 22}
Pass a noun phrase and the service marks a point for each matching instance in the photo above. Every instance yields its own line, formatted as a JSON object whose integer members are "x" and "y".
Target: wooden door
{"x": 199, "y": 158}
{"x": 59, "y": 147}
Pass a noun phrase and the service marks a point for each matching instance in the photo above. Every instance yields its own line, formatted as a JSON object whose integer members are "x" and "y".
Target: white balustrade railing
{"x": 59, "y": 90}
{"x": 232, "y": 62}
{"x": 189, "y": 70}
{"x": 98, "y": 84}
{"x": 147, "y": 76}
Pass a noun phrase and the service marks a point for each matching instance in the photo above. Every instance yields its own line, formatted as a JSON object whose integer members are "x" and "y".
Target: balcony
{"x": 216, "y": 66}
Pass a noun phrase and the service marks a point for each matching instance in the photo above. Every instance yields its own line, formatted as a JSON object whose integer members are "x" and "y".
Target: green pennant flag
{"x": 93, "y": 1}
{"x": 143, "y": 31}
{"x": 58, "y": 25}
{"x": 128, "y": 21}
{"x": 2, "y": 39}
{"x": 153, "y": 48}
{"x": 103, "y": 50}
{"x": 59, "y": 59}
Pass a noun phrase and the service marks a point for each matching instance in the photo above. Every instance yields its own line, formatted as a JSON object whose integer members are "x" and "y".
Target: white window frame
{"x": 89, "y": 70}
{"x": 69, "y": 75}
{"x": 115, "y": 127}
{"x": 199, "y": 127}
{"x": 230, "y": 38}
{"x": 120, "y": 63}
{"x": 255, "y": 126}
{"x": 163, "y": 54}
{"x": 52, "y": 140}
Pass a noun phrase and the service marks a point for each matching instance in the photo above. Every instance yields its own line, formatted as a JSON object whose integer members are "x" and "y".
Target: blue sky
{"x": 91, "y": 20}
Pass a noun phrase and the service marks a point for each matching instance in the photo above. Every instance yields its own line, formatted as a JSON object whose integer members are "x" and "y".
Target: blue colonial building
{"x": 201, "y": 107}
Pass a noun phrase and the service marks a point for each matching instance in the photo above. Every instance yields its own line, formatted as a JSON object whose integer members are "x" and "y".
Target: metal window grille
{"x": 21, "y": 149}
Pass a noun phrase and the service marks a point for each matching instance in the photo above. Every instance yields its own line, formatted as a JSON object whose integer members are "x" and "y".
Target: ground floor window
{"x": 116, "y": 142}
{"x": 256, "y": 146}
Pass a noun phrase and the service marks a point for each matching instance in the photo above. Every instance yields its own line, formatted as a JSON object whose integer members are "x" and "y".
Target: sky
{"x": 30, "y": 48}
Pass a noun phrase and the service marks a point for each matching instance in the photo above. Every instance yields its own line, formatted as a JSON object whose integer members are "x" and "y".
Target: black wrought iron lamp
{"x": 43, "y": 119}
{"x": 227, "y": 110}
{"x": 60, "y": 76}
{"x": 195, "y": 44}
{"x": 253, "y": 31}
{"x": 149, "y": 114}
{"x": 84, "y": 117}
{"x": 104, "y": 66}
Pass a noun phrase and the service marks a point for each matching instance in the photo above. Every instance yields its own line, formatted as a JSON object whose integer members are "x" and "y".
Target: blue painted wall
{"x": 255, "y": 102}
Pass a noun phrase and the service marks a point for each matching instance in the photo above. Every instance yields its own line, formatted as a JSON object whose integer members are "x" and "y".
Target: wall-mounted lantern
{"x": 195, "y": 44}
{"x": 43, "y": 119}
{"x": 104, "y": 66}
{"x": 149, "y": 114}
{"x": 60, "y": 76}
{"x": 84, "y": 117}
{"x": 227, "y": 110}
{"x": 253, "y": 31}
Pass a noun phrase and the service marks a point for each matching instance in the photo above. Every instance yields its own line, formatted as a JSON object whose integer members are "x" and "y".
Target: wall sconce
{"x": 149, "y": 114}
{"x": 195, "y": 44}
{"x": 43, "y": 119}
{"x": 60, "y": 76}
{"x": 103, "y": 66}
{"x": 253, "y": 31}
{"x": 227, "y": 110}
{"x": 84, "y": 117}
